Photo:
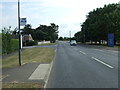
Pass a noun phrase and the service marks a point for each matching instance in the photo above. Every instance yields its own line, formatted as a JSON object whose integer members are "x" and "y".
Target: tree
{"x": 100, "y": 22}
{"x": 78, "y": 36}
{"x": 43, "y": 32}
{"x": 60, "y": 38}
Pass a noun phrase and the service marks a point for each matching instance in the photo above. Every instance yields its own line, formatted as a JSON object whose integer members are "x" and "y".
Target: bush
{"x": 15, "y": 44}
{"x": 9, "y": 45}
{"x": 6, "y": 43}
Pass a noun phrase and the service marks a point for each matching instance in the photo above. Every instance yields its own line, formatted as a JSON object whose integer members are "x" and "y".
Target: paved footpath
{"x": 27, "y": 73}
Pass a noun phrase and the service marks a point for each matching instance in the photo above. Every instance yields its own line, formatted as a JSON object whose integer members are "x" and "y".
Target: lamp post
{"x": 19, "y": 51}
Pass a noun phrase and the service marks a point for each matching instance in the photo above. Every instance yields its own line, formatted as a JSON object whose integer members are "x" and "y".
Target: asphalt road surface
{"x": 83, "y": 67}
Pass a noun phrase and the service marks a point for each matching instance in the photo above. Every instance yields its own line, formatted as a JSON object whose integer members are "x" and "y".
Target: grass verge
{"x": 43, "y": 44}
{"x": 21, "y": 85}
{"x": 31, "y": 55}
{"x": 102, "y": 45}
{"x": 105, "y": 46}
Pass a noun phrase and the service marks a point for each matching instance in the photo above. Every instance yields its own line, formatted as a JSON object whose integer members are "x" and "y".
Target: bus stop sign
{"x": 23, "y": 21}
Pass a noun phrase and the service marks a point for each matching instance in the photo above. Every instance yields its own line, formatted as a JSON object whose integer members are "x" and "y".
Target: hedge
{"x": 8, "y": 44}
{"x": 15, "y": 44}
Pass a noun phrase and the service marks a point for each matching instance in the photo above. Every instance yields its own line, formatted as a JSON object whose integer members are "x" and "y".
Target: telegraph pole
{"x": 70, "y": 35}
{"x": 19, "y": 51}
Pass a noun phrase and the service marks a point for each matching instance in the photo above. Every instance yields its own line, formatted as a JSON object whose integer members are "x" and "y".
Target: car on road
{"x": 73, "y": 43}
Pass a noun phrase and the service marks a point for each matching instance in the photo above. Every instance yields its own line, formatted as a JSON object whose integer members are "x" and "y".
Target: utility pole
{"x": 19, "y": 51}
{"x": 84, "y": 38}
{"x": 70, "y": 35}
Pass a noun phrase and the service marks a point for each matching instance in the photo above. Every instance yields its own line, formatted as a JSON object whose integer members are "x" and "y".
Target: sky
{"x": 67, "y": 14}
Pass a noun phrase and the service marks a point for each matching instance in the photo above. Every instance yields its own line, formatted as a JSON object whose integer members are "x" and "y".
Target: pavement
{"x": 29, "y": 72}
{"x": 84, "y": 67}
{"x": 19, "y": 74}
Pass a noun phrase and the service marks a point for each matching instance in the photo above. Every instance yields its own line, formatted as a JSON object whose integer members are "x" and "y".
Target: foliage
{"x": 43, "y": 32}
{"x": 61, "y": 38}
{"x": 78, "y": 36}
{"x": 99, "y": 23}
{"x": 8, "y": 44}
{"x": 6, "y": 41}
{"x": 15, "y": 44}
{"x": 64, "y": 38}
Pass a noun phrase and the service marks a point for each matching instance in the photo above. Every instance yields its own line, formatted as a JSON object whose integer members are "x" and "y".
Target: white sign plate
{"x": 23, "y": 21}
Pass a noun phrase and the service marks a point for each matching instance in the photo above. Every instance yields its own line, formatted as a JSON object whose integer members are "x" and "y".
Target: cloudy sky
{"x": 68, "y": 14}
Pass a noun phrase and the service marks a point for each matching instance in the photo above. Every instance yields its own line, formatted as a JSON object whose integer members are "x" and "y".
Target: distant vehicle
{"x": 73, "y": 43}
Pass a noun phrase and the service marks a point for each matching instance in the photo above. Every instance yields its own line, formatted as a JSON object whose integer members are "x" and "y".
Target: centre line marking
{"x": 83, "y": 53}
{"x": 99, "y": 50}
{"x": 102, "y": 62}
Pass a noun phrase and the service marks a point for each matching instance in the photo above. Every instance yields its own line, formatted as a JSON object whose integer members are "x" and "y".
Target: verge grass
{"x": 106, "y": 46}
{"x": 102, "y": 45}
{"x": 31, "y": 55}
{"x": 43, "y": 44}
{"x": 21, "y": 85}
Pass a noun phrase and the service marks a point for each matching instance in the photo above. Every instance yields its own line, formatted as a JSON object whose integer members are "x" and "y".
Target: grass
{"x": 102, "y": 45}
{"x": 31, "y": 55}
{"x": 21, "y": 85}
{"x": 106, "y": 46}
{"x": 47, "y": 44}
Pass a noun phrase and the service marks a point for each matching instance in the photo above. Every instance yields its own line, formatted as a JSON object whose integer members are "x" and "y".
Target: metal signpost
{"x": 21, "y": 22}
{"x": 110, "y": 40}
{"x": 19, "y": 51}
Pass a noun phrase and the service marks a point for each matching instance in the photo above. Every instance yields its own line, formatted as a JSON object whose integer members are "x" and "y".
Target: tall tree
{"x": 100, "y": 22}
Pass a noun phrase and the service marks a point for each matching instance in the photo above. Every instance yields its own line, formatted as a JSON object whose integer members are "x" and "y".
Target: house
{"x": 27, "y": 38}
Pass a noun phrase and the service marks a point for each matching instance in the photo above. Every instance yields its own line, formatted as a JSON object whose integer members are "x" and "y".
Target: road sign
{"x": 23, "y": 21}
{"x": 110, "y": 40}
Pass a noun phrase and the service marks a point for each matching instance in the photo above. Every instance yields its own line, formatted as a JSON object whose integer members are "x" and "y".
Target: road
{"x": 83, "y": 67}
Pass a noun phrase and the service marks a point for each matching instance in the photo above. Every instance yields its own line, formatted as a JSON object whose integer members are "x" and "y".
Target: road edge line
{"x": 49, "y": 71}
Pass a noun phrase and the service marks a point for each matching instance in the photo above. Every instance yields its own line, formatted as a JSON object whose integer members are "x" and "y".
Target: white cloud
{"x": 1, "y": 6}
{"x": 10, "y": 21}
{"x": 68, "y": 14}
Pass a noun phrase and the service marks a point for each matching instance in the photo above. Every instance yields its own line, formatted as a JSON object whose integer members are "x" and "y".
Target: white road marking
{"x": 40, "y": 72}
{"x": 83, "y": 53}
{"x": 102, "y": 62}
{"x": 50, "y": 69}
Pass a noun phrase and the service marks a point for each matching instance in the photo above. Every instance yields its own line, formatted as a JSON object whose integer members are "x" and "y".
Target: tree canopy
{"x": 99, "y": 23}
{"x": 42, "y": 32}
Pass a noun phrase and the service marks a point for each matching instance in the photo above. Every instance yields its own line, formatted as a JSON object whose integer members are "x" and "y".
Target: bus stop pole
{"x": 19, "y": 51}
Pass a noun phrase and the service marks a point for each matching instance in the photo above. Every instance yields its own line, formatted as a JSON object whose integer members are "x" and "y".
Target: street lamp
{"x": 19, "y": 51}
